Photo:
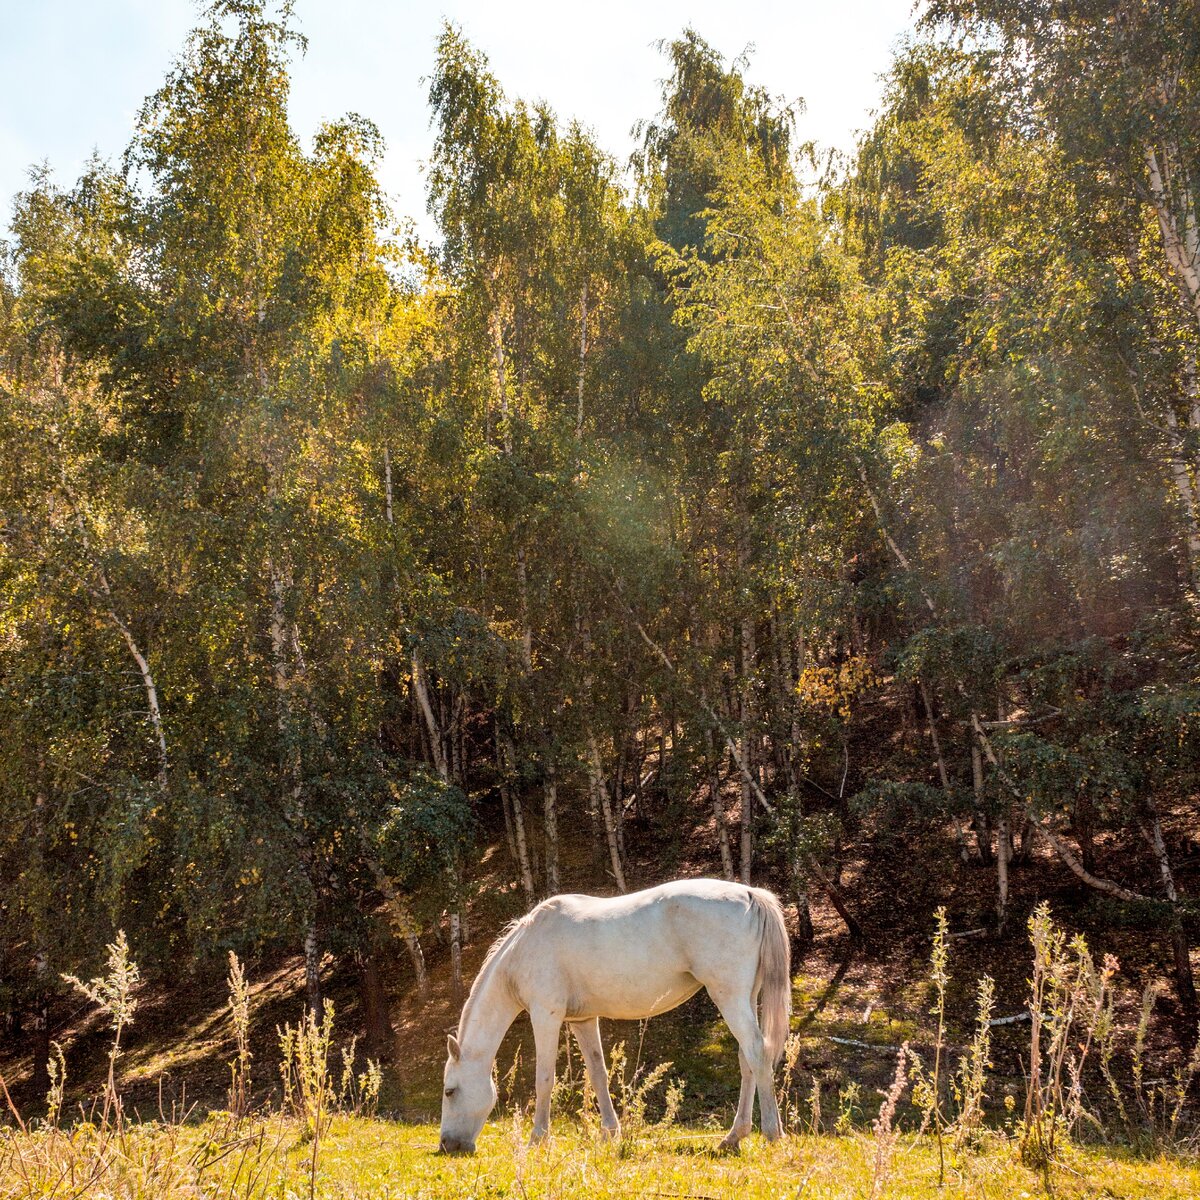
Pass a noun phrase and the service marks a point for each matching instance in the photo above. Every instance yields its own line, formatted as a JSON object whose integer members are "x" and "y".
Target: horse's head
{"x": 468, "y": 1095}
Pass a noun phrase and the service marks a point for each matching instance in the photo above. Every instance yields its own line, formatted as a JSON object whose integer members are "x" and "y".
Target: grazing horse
{"x": 579, "y": 958}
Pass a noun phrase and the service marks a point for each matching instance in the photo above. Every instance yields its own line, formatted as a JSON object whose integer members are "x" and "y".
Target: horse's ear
{"x": 452, "y": 1046}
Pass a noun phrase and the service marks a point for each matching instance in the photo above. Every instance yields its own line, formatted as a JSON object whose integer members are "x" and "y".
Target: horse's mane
{"x": 506, "y": 937}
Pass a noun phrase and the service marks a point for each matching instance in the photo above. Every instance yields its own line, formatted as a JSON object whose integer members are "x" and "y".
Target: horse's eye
{"x": 450, "y": 1092}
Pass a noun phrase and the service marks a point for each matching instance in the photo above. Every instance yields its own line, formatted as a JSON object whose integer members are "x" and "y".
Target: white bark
{"x": 509, "y": 757}
{"x": 1003, "y": 856}
{"x": 599, "y": 789}
{"x": 550, "y": 816}
{"x": 387, "y": 487}
{"x": 151, "y": 690}
{"x": 312, "y": 971}
{"x": 438, "y": 750}
{"x": 893, "y": 545}
{"x": 718, "y": 806}
{"x": 1181, "y": 247}
{"x": 401, "y": 921}
{"x": 436, "y": 741}
{"x": 102, "y": 591}
{"x": 583, "y": 349}
{"x": 501, "y": 382}
{"x": 456, "y": 972}
{"x": 746, "y": 712}
{"x": 943, "y": 774}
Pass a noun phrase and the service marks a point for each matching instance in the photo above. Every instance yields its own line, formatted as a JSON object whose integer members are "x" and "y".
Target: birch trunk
{"x": 599, "y": 789}
{"x": 104, "y": 593}
{"x": 456, "y": 971}
{"x": 436, "y": 744}
{"x": 401, "y": 921}
{"x": 1181, "y": 247}
{"x": 510, "y": 765}
{"x": 1185, "y": 983}
{"x": 979, "y": 818}
{"x": 749, "y": 664}
{"x": 943, "y": 774}
{"x": 505, "y": 798}
{"x": 718, "y": 806}
{"x": 620, "y": 792}
{"x": 583, "y": 349}
{"x": 312, "y": 972}
{"x": 438, "y": 748}
{"x": 501, "y": 381}
{"x": 550, "y": 817}
{"x": 747, "y": 816}
{"x": 40, "y": 1030}
{"x": 389, "y": 514}
{"x": 1003, "y": 845}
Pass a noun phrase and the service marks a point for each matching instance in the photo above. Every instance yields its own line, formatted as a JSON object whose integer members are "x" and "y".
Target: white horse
{"x": 579, "y": 958}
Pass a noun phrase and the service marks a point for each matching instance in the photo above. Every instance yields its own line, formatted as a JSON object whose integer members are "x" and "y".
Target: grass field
{"x": 366, "y": 1159}
{"x": 384, "y": 1161}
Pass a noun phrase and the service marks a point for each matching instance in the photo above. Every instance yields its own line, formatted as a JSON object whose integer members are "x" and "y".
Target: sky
{"x": 73, "y": 73}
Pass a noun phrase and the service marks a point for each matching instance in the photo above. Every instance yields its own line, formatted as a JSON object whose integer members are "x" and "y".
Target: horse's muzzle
{"x": 454, "y": 1146}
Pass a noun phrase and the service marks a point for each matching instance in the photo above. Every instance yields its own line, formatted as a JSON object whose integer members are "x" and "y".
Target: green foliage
{"x": 426, "y": 829}
{"x": 846, "y": 505}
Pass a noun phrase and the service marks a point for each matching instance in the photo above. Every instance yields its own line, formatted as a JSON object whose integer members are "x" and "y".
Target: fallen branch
{"x": 859, "y": 1045}
{"x": 1021, "y": 1016}
{"x": 1019, "y": 722}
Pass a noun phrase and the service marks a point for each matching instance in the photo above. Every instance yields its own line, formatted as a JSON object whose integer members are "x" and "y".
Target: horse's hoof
{"x": 729, "y": 1142}
{"x": 610, "y": 1133}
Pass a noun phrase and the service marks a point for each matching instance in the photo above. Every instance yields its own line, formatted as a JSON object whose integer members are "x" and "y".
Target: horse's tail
{"x": 774, "y": 971}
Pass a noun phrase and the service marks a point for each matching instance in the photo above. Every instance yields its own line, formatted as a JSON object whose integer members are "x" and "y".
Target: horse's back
{"x": 702, "y": 891}
{"x": 638, "y": 953}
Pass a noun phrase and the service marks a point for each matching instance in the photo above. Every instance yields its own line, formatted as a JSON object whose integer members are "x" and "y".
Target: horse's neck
{"x": 492, "y": 1009}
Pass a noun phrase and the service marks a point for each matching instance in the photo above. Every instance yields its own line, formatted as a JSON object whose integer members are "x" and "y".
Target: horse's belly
{"x": 635, "y": 999}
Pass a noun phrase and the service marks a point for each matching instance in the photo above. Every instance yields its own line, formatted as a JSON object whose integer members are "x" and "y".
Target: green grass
{"x": 363, "y": 1159}
{"x": 382, "y": 1161}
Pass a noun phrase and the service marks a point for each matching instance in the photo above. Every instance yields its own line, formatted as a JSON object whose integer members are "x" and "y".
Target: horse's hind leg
{"x": 738, "y": 1012}
{"x": 743, "y": 1122}
{"x": 587, "y": 1034}
{"x": 545, "y": 1039}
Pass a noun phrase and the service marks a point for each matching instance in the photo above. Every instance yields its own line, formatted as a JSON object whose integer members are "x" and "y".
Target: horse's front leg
{"x": 546, "y": 1026}
{"x": 587, "y": 1034}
